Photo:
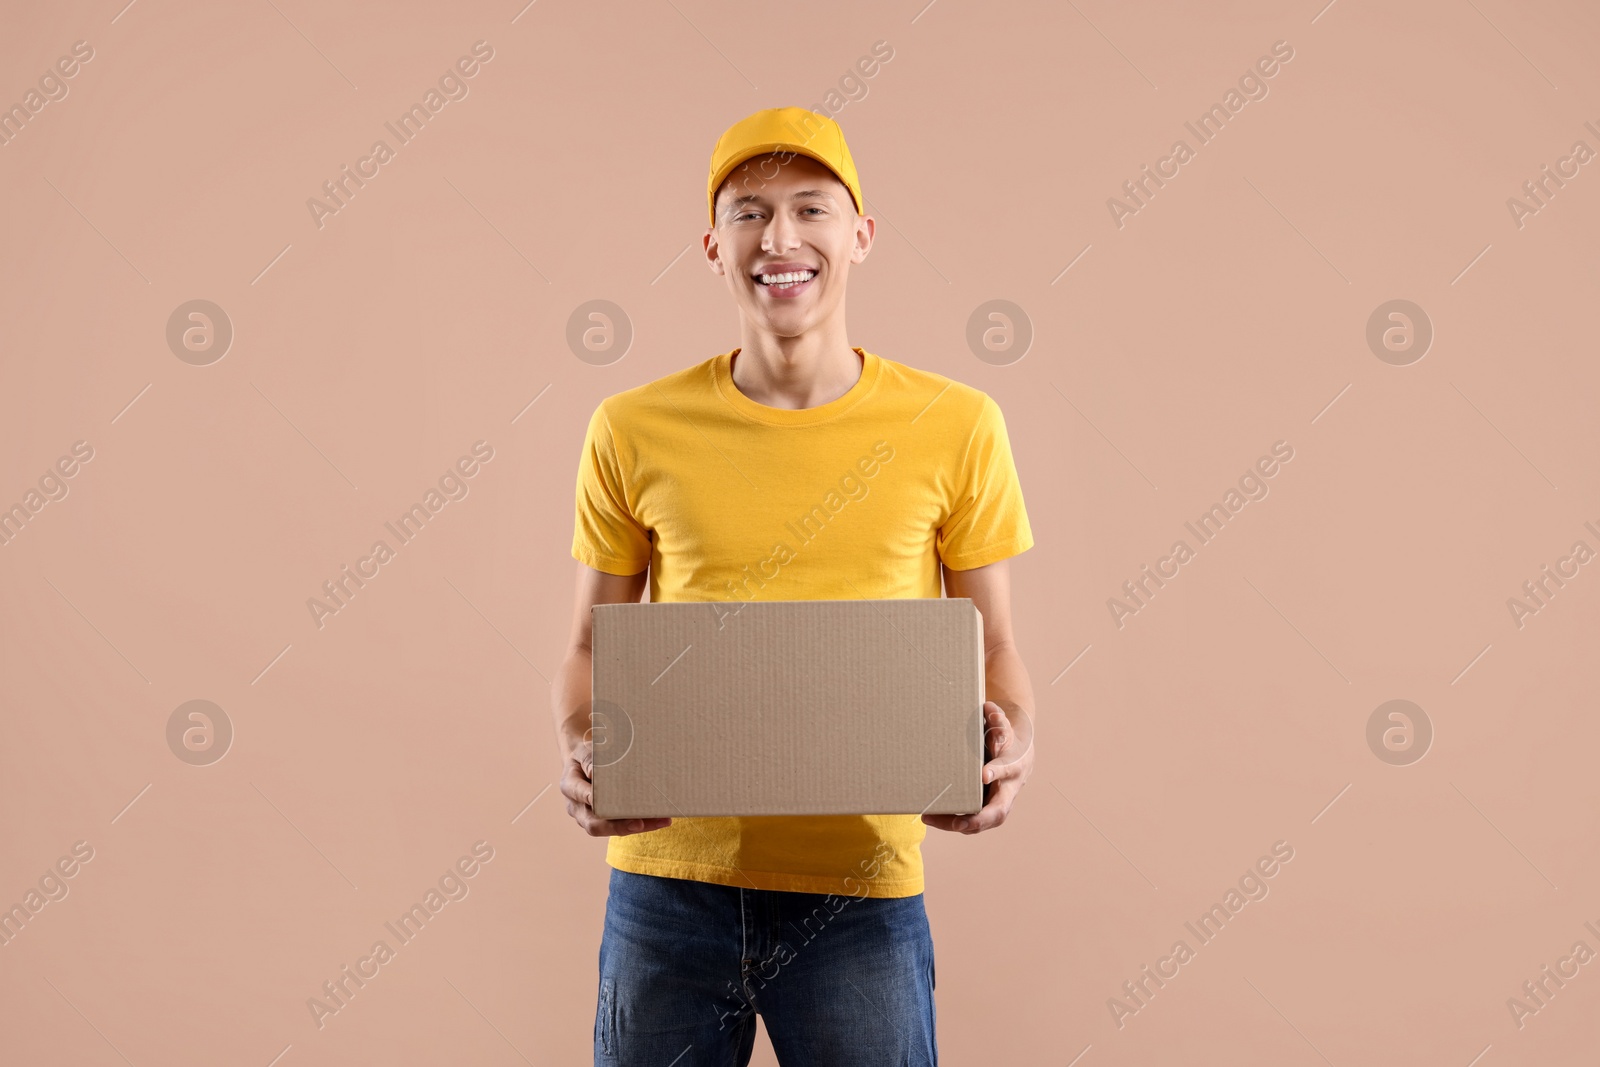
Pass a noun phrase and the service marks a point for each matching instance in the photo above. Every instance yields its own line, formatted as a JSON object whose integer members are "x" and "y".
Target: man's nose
{"x": 780, "y": 234}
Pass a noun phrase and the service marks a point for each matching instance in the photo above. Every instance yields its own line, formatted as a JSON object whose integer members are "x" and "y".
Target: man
{"x": 794, "y": 467}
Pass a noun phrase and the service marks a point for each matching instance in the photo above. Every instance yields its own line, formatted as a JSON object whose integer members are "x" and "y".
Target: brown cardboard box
{"x": 800, "y": 707}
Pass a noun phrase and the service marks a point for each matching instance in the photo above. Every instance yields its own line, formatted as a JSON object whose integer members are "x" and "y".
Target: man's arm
{"x": 1008, "y": 711}
{"x": 571, "y": 695}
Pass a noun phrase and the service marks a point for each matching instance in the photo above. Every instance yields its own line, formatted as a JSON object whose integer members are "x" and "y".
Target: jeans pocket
{"x": 605, "y": 1017}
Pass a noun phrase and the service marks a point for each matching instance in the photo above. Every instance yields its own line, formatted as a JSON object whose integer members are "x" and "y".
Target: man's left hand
{"x": 1009, "y": 745}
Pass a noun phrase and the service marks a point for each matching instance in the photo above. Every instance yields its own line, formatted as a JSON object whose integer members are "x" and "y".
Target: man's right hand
{"x": 577, "y": 786}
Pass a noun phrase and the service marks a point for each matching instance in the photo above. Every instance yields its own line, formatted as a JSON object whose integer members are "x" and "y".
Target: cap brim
{"x": 739, "y": 160}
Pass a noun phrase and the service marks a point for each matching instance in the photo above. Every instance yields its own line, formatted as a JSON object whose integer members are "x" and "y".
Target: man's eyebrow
{"x": 756, "y": 198}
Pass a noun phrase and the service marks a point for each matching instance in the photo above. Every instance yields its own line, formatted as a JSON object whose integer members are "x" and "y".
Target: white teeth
{"x": 783, "y": 281}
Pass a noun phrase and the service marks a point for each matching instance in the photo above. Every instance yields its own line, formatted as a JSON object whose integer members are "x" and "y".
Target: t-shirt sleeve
{"x": 606, "y": 535}
{"x": 988, "y": 521}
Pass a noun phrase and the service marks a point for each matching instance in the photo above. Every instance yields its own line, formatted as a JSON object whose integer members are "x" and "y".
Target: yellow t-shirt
{"x": 727, "y": 499}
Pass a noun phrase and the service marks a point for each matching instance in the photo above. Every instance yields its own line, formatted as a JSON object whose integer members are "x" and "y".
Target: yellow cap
{"x": 782, "y": 129}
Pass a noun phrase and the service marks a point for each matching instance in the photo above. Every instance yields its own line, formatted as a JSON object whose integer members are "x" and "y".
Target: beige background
{"x": 370, "y": 353}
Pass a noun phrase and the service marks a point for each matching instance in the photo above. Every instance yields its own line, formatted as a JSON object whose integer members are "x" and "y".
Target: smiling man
{"x": 793, "y": 467}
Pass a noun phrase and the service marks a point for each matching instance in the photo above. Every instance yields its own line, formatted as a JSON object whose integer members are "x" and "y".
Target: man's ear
{"x": 866, "y": 229}
{"x": 713, "y": 252}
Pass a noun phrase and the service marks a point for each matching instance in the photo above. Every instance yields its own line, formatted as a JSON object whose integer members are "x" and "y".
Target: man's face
{"x": 778, "y": 216}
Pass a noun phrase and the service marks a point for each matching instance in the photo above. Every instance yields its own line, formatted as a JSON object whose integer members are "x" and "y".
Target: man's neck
{"x": 796, "y": 372}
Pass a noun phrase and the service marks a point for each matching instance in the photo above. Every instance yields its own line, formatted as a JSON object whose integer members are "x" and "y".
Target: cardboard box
{"x": 799, "y": 707}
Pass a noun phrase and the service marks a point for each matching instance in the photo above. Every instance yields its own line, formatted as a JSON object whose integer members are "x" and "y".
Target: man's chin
{"x": 785, "y": 322}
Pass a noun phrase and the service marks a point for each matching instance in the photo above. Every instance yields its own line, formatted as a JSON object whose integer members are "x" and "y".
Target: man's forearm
{"x": 570, "y": 696}
{"x": 1007, "y": 682}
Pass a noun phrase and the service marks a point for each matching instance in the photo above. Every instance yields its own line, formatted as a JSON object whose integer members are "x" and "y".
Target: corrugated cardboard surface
{"x": 804, "y": 707}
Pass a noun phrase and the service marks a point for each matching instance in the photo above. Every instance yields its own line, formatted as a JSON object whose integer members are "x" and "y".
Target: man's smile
{"x": 786, "y": 279}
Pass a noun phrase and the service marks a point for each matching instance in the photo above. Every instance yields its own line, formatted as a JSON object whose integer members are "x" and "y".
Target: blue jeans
{"x": 840, "y": 981}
